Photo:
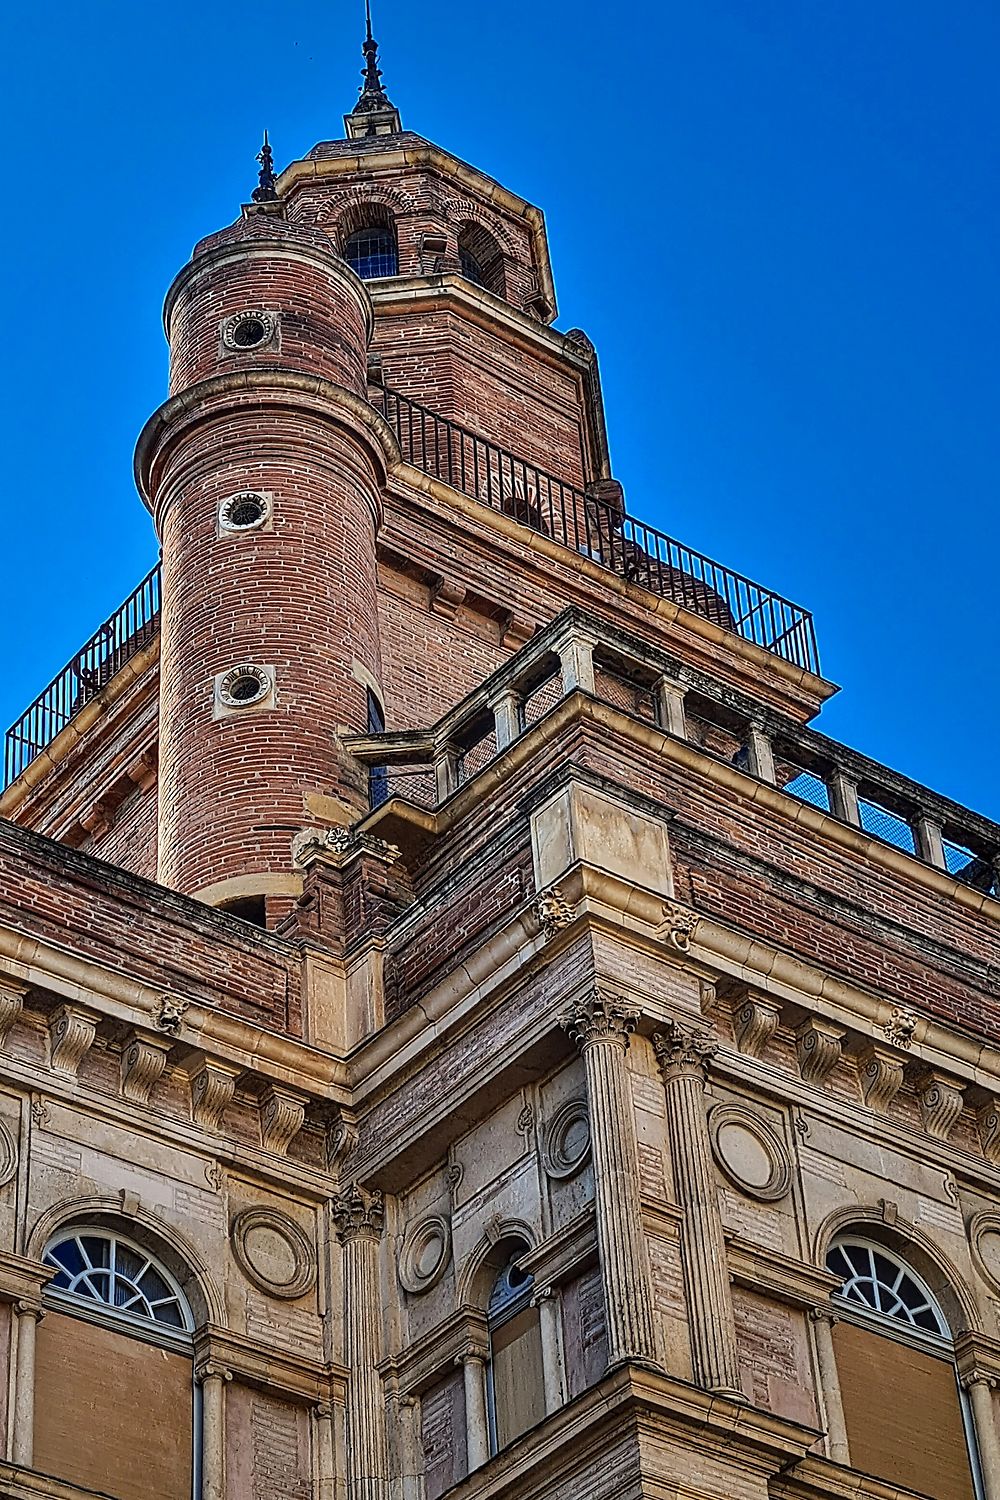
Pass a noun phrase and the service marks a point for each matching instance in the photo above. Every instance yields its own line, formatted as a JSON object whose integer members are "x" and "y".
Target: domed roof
{"x": 260, "y": 224}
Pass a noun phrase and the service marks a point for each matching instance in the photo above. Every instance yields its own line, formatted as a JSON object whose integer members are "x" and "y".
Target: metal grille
{"x": 630, "y": 697}
{"x": 886, "y": 825}
{"x": 414, "y": 784}
{"x": 372, "y": 253}
{"x": 808, "y": 787}
{"x": 538, "y": 702}
{"x": 477, "y": 756}
{"x": 969, "y": 867}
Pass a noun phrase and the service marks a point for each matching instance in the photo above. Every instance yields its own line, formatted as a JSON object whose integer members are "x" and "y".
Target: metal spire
{"x": 373, "y": 95}
{"x": 265, "y": 191}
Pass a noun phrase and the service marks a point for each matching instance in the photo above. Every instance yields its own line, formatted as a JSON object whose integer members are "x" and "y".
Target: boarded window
{"x": 903, "y": 1414}
{"x": 112, "y": 1413}
{"x": 584, "y": 1331}
{"x": 518, "y": 1390}
{"x": 442, "y": 1433}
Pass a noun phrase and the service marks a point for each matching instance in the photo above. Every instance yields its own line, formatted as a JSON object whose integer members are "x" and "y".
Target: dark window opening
{"x": 371, "y": 252}
{"x": 481, "y": 259}
{"x": 378, "y": 776}
{"x": 248, "y": 909}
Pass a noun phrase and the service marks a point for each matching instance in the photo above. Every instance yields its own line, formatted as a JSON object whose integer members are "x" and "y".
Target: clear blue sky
{"x": 777, "y": 219}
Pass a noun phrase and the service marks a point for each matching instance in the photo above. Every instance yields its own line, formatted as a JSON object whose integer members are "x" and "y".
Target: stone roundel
{"x": 567, "y": 1139}
{"x": 749, "y": 1152}
{"x": 426, "y": 1252}
{"x": 273, "y": 1252}
{"x": 244, "y": 686}
{"x": 8, "y": 1154}
{"x": 984, "y": 1236}
{"x": 249, "y": 329}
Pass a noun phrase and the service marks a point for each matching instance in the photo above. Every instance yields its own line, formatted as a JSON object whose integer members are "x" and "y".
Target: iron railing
{"x": 609, "y": 536}
{"x": 130, "y": 628}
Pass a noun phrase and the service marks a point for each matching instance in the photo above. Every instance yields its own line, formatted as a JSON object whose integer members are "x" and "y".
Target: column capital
{"x": 600, "y": 1016}
{"x": 358, "y": 1214}
{"x": 684, "y": 1051}
{"x": 26, "y": 1308}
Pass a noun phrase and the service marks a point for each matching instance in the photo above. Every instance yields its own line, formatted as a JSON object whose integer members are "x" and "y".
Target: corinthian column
{"x": 358, "y": 1217}
{"x": 683, "y": 1054}
{"x": 601, "y": 1025}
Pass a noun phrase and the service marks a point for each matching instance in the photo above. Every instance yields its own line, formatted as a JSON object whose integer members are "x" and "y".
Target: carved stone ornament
{"x": 273, "y": 1252}
{"x": 819, "y": 1046}
{"x": 170, "y": 1013}
{"x": 755, "y": 1019}
{"x": 212, "y": 1089}
{"x": 143, "y": 1061}
{"x": 900, "y": 1026}
{"x": 567, "y": 1145}
{"x": 71, "y": 1031}
{"x": 11, "y": 1004}
{"x": 282, "y": 1114}
{"x": 984, "y": 1238}
{"x": 940, "y": 1098}
{"x": 426, "y": 1252}
{"x": 880, "y": 1073}
{"x": 525, "y": 1121}
{"x": 600, "y": 1016}
{"x": 749, "y": 1152}
{"x": 684, "y": 1049}
{"x": 988, "y": 1125}
{"x": 678, "y": 926}
{"x": 8, "y": 1154}
{"x": 358, "y": 1212}
{"x": 339, "y": 844}
{"x": 341, "y": 1139}
{"x": 553, "y": 912}
{"x": 250, "y": 329}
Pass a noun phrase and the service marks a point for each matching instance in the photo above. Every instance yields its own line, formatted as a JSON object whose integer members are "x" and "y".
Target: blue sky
{"x": 777, "y": 219}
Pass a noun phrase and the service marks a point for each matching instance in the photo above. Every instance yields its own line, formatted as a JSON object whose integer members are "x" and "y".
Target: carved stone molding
{"x": 212, "y": 1087}
{"x": 357, "y": 1212}
{"x": 170, "y": 1014}
{"x": 819, "y": 1046}
{"x": 282, "y": 1114}
{"x": 143, "y": 1061}
{"x": 553, "y": 912}
{"x": 600, "y": 1016}
{"x": 880, "y": 1073}
{"x": 940, "y": 1099}
{"x": 984, "y": 1239}
{"x": 682, "y": 1049}
{"x": 8, "y": 1154}
{"x": 12, "y": 995}
{"x": 567, "y": 1146}
{"x": 988, "y": 1125}
{"x": 71, "y": 1031}
{"x": 749, "y": 1152}
{"x": 339, "y": 844}
{"x": 755, "y": 1019}
{"x": 678, "y": 926}
{"x": 900, "y": 1026}
{"x": 425, "y": 1254}
{"x": 273, "y": 1252}
{"x": 341, "y": 1138}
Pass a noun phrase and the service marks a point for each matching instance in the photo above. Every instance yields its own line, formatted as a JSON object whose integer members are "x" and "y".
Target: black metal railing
{"x": 589, "y": 525}
{"x": 131, "y": 626}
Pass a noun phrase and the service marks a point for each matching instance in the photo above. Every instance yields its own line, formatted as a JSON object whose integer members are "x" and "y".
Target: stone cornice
{"x": 778, "y": 1276}
{"x": 23, "y": 1281}
{"x": 285, "y": 1373}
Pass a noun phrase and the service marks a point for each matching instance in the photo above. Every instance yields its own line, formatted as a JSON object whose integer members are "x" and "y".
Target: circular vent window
{"x": 248, "y": 330}
{"x": 244, "y": 686}
{"x": 245, "y": 512}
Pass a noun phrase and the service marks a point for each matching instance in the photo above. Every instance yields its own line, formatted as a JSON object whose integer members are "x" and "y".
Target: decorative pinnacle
{"x": 265, "y": 191}
{"x": 373, "y": 95}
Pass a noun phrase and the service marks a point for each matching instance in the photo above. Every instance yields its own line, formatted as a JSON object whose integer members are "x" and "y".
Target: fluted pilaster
{"x": 601, "y": 1025}
{"x": 683, "y": 1054}
{"x": 358, "y": 1217}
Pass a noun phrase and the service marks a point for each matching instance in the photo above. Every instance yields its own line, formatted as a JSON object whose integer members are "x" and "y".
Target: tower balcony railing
{"x": 129, "y": 629}
{"x": 600, "y": 530}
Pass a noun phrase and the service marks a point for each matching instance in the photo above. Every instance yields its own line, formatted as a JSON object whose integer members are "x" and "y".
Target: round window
{"x": 248, "y": 330}
{"x": 245, "y": 512}
{"x": 244, "y": 686}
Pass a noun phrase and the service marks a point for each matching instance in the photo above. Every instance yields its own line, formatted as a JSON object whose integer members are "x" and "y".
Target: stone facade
{"x": 489, "y": 1092}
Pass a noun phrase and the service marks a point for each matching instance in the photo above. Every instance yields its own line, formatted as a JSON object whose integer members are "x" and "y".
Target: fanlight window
{"x": 105, "y": 1269}
{"x": 371, "y": 252}
{"x": 884, "y": 1285}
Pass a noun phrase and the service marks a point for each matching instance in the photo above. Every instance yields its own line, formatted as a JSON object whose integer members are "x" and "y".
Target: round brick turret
{"x": 263, "y": 472}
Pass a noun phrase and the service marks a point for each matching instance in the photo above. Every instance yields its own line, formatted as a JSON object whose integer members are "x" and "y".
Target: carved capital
{"x": 900, "y": 1027}
{"x": 212, "y": 1370}
{"x": 212, "y": 1087}
{"x": 880, "y": 1073}
{"x": 940, "y": 1099}
{"x": 358, "y": 1213}
{"x": 71, "y": 1031}
{"x": 684, "y": 1051}
{"x": 755, "y": 1019}
{"x": 553, "y": 912}
{"x": 819, "y": 1045}
{"x": 678, "y": 926}
{"x": 281, "y": 1117}
{"x": 12, "y": 994}
{"x": 600, "y": 1017}
{"x": 143, "y": 1061}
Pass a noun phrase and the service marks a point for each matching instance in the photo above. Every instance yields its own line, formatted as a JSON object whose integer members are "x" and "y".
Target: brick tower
{"x": 463, "y": 1030}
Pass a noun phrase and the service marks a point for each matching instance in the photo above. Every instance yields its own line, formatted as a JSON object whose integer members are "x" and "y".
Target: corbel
{"x": 940, "y": 1097}
{"x": 282, "y": 1115}
{"x": 143, "y": 1060}
{"x": 71, "y": 1032}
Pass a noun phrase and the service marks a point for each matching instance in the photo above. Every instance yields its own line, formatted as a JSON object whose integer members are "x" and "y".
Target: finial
{"x": 265, "y": 191}
{"x": 381, "y": 115}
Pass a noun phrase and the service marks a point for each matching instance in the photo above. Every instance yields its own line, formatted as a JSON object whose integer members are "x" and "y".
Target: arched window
{"x": 515, "y": 1382}
{"x": 113, "y": 1364}
{"x": 371, "y": 251}
{"x": 906, "y": 1416}
{"x": 481, "y": 259}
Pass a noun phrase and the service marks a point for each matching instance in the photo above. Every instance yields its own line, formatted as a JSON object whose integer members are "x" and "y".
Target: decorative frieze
{"x": 755, "y": 1019}
{"x": 358, "y": 1212}
{"x": 212, "y": 1087}
{"x": 940, "y": 1098}
{"x": 282, "y": 1114}
{"x": 71, "y": 1032}
{"x": 819, "y": 1046}
{"x": 553, "y": 912}
{"x": 143, "y": 1061}
{"x": 880, "y": 1073}
{"x": 600, "y": 1016}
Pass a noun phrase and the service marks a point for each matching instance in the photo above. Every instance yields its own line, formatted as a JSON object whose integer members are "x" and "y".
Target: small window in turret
{"x": 371, "y": 252}
{"x": 481, "y": 259}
